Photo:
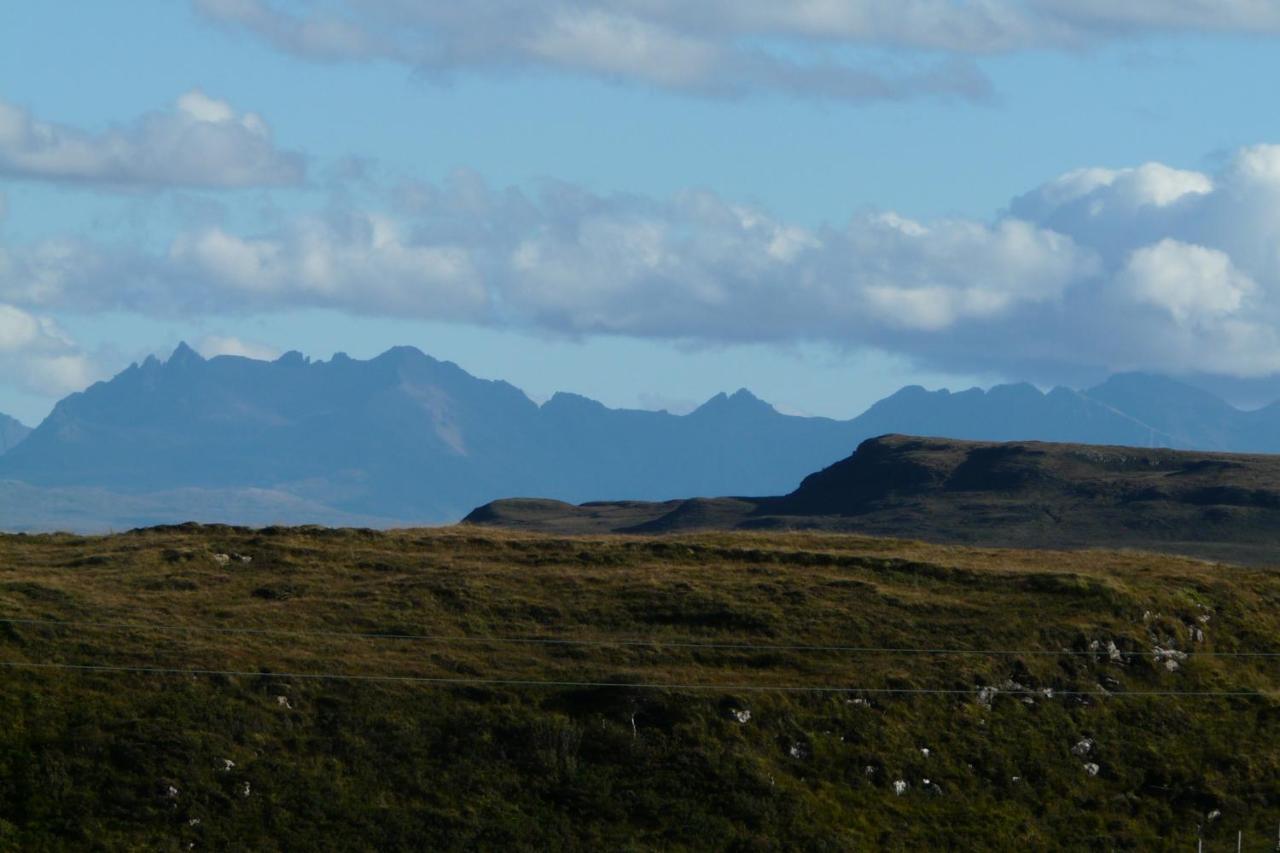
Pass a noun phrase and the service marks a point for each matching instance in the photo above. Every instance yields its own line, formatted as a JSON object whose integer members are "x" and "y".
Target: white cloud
{"x": 215, "y": 345}
{"x": 38, "y": 357}
{"x": 718, "y": 50}
{"x": 200, "y": 142}
{"x": 1194, "y": 284}
{"x": 360, "y": 262}
{"x": 725, "y": 46}
{"x": 1148, "y": 267}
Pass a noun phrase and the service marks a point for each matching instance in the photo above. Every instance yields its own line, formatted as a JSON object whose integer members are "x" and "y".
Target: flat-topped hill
{"x": 1027, "y": 494}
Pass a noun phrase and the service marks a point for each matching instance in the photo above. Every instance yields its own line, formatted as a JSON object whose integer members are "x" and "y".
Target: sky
{"x": 646, "y": 201}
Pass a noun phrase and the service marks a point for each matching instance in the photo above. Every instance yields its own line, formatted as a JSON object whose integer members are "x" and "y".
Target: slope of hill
{"x": 1025, "y": 494}
{"x": 12, "y": 431}
{"x": 1080, "y": 705}
{"x": 406, "y": 438}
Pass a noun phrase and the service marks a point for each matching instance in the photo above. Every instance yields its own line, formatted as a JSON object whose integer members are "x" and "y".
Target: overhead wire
{"x": 477, "y": 681}
{"x": 447, "y": 639}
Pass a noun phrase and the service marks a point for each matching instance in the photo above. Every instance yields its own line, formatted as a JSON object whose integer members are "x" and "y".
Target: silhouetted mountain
{"x": 1020, "y": 494}
{"x": 1183, "y": 415}
{"x": 1009, "y": 413}
{"x": 12, "y": 431}
{"x": 404, "y": 438}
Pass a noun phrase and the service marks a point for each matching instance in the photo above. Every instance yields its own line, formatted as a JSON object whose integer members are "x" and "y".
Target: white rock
{"x": 227, "y": 764}
{"x": 986, "y": 695}
{"x": 1215, "y": 814}
{"x": 1170, "y": 657}
{"x": 743, "y": 716}
{"x": 1091, "y": 768}
{"x": 900, "y": 787}
{"x": 283, "y": 702}
{"x": 797, "y": 750}
{"x": 171, "y": 792}
{"x": 1083, "y": 748}
{"x": 244, "y": 789}
{"x": 924, "y": 750}
{"x": 1113, "y": 651}
{"x": 222, "y": 559}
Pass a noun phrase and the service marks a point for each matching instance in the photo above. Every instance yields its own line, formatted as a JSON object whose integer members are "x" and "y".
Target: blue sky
{"x": 639, "y": 203}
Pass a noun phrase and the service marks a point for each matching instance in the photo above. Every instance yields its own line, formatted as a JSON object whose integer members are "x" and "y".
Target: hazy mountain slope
{"x": 1186, "y": 417}
{"x": 12, "y": 431}
{"x": 1009, "y": 413}
{"x": 736, "y": 443}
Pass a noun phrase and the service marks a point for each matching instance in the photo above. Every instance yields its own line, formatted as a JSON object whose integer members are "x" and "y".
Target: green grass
{"x": 87, "y": 757}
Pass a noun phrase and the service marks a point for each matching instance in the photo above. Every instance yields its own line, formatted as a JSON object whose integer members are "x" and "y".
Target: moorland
{"x": 282, "y": 688}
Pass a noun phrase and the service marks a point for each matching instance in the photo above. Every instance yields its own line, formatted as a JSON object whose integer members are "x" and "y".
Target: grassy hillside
{"x": 247, "y": 755}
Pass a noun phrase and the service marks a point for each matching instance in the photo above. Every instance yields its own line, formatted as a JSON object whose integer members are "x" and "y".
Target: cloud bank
{"x": 199, "y": 141}
{"x": 1148, "y": 267}
{"x": 726, "y": 47}
{"x": 712, "y": 50}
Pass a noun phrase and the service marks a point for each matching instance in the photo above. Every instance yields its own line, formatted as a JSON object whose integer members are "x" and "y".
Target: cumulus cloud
{"x": 359, "y": 262}
{"x": 200, "y": 141}
{"x": 725, "y": 46}
{"x": 38, "y": 357}
{"x": 1148, "y": 267}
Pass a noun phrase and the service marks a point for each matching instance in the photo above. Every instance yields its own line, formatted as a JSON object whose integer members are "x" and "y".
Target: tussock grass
{"x": 87, "y": 758}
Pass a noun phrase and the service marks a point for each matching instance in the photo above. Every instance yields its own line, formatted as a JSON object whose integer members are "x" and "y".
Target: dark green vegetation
{"x": 1018, "y": 494}
{"x": 110, "y": 760}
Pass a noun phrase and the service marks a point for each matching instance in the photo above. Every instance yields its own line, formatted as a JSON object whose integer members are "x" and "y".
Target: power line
{"x": 446, "y": 639}
{"x": 469, "y": 681}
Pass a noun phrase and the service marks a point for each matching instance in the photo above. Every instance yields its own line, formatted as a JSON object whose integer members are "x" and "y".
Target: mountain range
{"x": 407, "y": 439}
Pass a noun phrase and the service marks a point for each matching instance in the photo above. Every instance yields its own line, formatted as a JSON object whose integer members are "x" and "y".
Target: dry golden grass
{"x": 643, "y": 611}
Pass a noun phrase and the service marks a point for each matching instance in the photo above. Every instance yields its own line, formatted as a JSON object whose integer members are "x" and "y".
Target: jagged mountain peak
{"x": 740, "y": 402}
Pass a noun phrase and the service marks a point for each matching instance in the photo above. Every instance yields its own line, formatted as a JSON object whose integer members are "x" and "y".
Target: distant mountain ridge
{"x": 406, "y": 439}
{"x": 12, "y": 431}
